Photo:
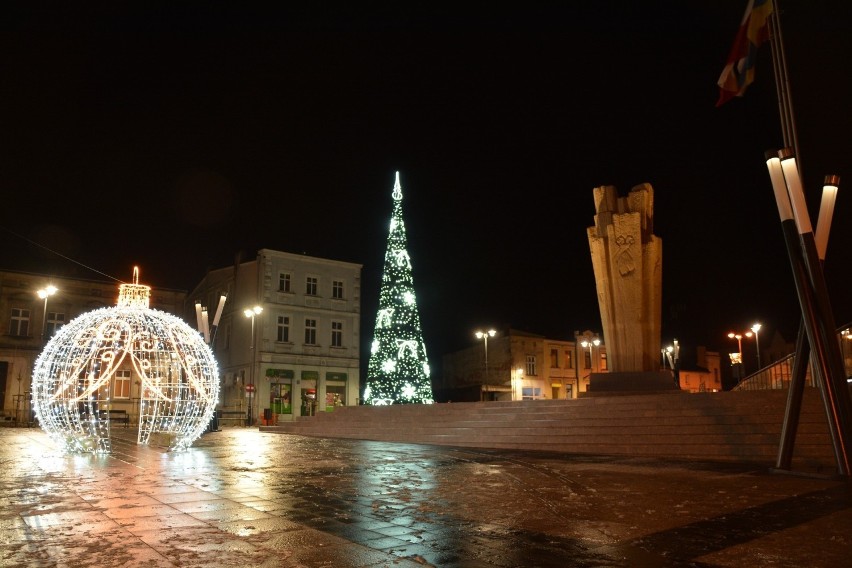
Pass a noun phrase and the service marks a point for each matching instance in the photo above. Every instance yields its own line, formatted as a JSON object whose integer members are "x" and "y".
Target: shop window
{"x": 531, "y": 393}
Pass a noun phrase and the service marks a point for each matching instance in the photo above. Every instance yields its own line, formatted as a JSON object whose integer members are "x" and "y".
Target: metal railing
{"x": 777, "y": 375}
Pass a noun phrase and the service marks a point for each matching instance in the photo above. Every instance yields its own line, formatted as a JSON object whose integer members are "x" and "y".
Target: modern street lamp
{"x": 485, "y": 335}
{"x": 756, "y": 328}
{"x": 252, "y": 313}
{"x": 666, "y": 352}
{"x": 590, "y": 342}
{"x": 739, "y": 338}
{"x": 44, "y": 294}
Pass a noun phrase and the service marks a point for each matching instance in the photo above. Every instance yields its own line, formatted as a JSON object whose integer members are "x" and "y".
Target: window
{"x": 531, "y": 393}
{"x": 337, "y": 334}
{"x": 588, "y": 360}
{"x": 54, "y": 321}
{"x": 603, "y": 361}
{"x": 311, "y": 286}
{"x": 554, "y": 358}
{"x": 531, "y": 365}
{"x": 121, "y": 389}
{"x": 20, "y": 323}
{"x": 284, "y": 328}
{"x": 569, "y": 360}
{"x": 337, "y": 289}
{"x": 284, "y": 282}
{"x": 310, "y": 332}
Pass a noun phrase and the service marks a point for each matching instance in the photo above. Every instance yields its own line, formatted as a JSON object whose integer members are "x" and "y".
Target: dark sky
{"x": 172, "y": 135}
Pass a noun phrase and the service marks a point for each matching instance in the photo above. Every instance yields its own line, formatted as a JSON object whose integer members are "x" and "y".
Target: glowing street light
{"x": 485, "y": 335}
{"x": 44, "y": 294}
{"x": 755, "y": 328}
{"x": 251, "y": 313}
{"x": 667, "y": 351}
{"x": 590, "y": 342}
{"x": 739, "y": 338}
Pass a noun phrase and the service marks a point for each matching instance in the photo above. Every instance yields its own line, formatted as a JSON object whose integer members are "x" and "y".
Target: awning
{"x": 495, "y": 388}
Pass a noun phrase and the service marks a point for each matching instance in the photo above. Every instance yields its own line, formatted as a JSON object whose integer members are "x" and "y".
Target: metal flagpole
{"x": 815, "y": 339}
{"x": 795, "y": 391}
{"x": 782, "y": 84}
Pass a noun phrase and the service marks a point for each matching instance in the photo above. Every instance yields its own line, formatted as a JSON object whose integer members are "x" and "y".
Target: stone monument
{"x": 628, "y": 262}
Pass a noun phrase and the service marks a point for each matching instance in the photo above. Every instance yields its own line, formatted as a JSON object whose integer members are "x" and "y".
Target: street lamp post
{"x": 44, "y": 294}
{"x": 756, "y": 328}
{"x": 485, "y": 335}
{"x": 739, "y": 338}
{"x": 590, "y": 342}
{"x": 251, "y": 313}
{"x": 666, "y": 353}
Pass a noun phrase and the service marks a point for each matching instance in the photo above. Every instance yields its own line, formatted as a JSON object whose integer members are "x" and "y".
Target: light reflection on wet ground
{"x": 243, "y": 498}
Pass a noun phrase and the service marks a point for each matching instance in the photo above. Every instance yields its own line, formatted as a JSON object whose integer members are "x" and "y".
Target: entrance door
{"x": 309, "y": 398}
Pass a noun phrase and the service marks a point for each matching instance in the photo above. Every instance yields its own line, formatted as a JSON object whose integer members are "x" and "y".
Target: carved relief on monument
{"x": 627, "y": 261}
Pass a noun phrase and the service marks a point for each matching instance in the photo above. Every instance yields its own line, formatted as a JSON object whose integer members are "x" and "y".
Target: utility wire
{"x": 62, "y": 255}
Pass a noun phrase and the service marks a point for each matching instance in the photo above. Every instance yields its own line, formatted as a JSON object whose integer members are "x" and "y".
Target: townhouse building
{"x": 517, "y": 365}
{"x": 288, "y": 337}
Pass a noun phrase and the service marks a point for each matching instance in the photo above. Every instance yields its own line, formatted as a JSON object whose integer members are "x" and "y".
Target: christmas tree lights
{"x": 398, "y": 369}
{"x": 178, "y": 379}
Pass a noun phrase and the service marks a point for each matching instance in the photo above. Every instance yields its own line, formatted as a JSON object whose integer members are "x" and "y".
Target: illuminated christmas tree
{"x": 398, "y": 371}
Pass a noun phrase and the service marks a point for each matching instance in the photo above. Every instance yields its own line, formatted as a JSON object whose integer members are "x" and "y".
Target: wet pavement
{"x": 244, "y": 498}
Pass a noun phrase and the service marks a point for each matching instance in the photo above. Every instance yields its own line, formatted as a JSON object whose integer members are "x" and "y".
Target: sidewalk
{"x": 243, "y": 498}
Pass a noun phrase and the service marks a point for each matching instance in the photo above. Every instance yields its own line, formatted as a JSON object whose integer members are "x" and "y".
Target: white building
{"x": 299, "y": 353}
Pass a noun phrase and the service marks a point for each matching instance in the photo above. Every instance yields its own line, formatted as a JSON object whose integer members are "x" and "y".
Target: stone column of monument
{"x": 628, "y": 263}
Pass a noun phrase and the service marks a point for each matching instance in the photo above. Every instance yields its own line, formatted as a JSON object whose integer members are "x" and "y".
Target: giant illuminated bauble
{"x": 172, "y": 370}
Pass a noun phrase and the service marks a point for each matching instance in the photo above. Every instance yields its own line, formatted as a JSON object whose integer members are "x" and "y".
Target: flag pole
{"x": 817, "y": 324}
{"x": 782, "y": 84}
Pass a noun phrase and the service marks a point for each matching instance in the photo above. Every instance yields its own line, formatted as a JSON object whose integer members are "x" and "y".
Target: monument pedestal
{"x": 647, "y": 382}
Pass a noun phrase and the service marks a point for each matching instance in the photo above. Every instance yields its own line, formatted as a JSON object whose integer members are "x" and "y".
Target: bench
{"x": 118, "y": 415}
{"x": 238, "y": 415}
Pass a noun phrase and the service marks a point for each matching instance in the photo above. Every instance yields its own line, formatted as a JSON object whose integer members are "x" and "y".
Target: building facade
{"x": 705, "y": 375}
{"x": 30, "y": 317}
{"x": 516, "y": 365}
{"x": 288, "y": 336}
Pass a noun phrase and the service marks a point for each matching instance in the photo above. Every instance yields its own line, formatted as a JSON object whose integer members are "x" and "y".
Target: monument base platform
{"x": 649, "y": 382}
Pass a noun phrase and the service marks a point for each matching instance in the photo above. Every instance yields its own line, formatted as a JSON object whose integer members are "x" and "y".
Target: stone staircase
{"x": 736, "y": 426}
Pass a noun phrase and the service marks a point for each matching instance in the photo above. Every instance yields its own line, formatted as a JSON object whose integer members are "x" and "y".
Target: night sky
{"x": 175, "y": 135}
